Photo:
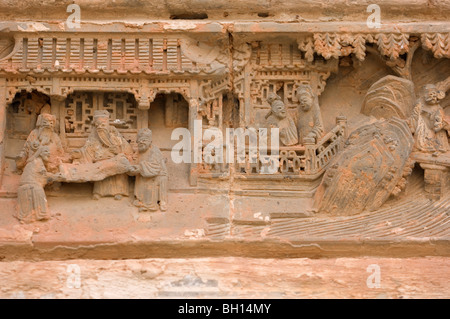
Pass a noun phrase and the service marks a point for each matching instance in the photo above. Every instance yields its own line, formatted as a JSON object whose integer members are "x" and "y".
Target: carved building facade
{"x": 365, "y": 108}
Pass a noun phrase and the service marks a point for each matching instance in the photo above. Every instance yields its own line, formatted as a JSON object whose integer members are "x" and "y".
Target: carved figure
{"x": 280, "y": 118}
{"x": 428, "y": 122}
{"x": 105, "y": 143}
{"x": 310, "y": 124}
{"x": 43, "y": 135}
{"x": 31, "y": 196}
{"x": 151, "y": 175}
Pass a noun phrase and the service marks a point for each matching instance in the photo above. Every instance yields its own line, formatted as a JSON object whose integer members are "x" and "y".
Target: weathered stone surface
{"x": 247, "y": 129}
{"x": 227, "y": 278}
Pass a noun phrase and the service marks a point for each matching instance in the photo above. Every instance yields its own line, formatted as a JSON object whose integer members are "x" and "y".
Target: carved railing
{"x": 306, "y": 161}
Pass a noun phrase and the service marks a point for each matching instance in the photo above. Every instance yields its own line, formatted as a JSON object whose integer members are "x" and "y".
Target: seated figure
{"x": 278, "y": 117}
{"x": 151, "y": 175}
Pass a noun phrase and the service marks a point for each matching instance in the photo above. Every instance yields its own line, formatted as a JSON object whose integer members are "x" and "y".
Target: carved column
{"x": 144, "y": 100}
{"x": 436, "y": 180}
{"x": 310, "y": 153}
{"x": 2, "y": 126}
{"x": 247, "y": 107}
{"x": 57, "y": 109}
{"x": 193, "y": 115}
{"x": 342, "y": 122}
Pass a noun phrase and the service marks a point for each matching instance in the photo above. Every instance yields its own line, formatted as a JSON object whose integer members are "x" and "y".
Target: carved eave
{"x": 391, "y": 45}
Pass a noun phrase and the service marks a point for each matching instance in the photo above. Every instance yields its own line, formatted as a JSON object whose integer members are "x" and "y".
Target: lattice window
{"x": 80, "y": 108}
{"x": 122, "y": 108}
{"x": 79, "y": 112}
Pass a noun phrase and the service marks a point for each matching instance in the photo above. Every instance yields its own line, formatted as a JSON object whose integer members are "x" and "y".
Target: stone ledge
{"x": 227, "y": 278}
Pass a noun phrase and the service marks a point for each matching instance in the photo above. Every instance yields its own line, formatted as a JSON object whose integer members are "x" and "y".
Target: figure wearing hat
{"x": 105, "y": 142}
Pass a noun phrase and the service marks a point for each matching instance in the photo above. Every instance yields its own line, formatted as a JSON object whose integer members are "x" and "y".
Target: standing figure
{"x": 428, "y": 122}
{"x": 43, "y": 135}
{"x": 151, "y": 175}
{"x": 278, "y": 117}
{"x": 30, "y": 194}
{"x": 105, "y": 142}
{"x": 310, "y": 122}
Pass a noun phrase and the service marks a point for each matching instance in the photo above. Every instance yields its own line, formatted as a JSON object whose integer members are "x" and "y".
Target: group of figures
{"x": 43, "y": 161}
{"x": 378, "y": 157}
{"x": 376, "y": 154}
{"x": 309, "y": 126}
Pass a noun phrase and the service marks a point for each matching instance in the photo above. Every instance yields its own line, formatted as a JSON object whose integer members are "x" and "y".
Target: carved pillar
{"x": 58, "y": 109}
{"x": 2, "y": 126}
{"x": 193, "y": 115}
{"x": 310, "y": 152}
{"x": 247, "y": 98}
{"x": 436, "y": 180}
{"x": 342, "y": 122}
{"x": 144, "y": 100}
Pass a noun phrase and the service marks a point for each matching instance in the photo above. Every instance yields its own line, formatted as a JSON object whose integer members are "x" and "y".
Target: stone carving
{"x": 105, "y": 143}
{"x": 6, "y": 46}
{"x": 151, "y": 175}
{"x": 113, "y": 98}
{"x": 438, "y": 43}
{"x": 388, "y": 97}
{"x": 371, "y": 167}
{"x": 30, "y": 194}
{"x": 279, "y": 117}
{"x": 428, "y": 122}
{"x": 310, "y": 124}
{"x": 43, "y": 135}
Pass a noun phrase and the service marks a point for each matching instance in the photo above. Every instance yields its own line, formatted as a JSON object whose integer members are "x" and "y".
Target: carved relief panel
{"x": 80, "y": 107}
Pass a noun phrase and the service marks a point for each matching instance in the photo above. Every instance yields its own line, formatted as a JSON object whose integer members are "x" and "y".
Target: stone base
{"x": 228, "y": 278}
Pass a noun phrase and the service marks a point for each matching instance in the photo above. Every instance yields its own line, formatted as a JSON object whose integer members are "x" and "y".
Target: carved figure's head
{"x": 144, "y": 139}
{"x": 278, "y": 108}
{"x": 432, "y": 95}
{"x": 305, "y": 97}
{"x": 45, "y": 153}
{"x": 102, "y": 127}
{"x": 101, "y": 120}
{"x": 46, "y": 121}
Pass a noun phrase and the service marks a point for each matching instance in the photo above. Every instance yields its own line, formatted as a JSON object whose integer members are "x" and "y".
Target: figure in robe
{"x": 43, "y": 135}
{"x": 278, "y": 117}
{"x": 429, "y": 124}
{"x": 104, "y": 143}
{"x": 151, "y": 175}
{"x": 30, "y": 194}
{"x": 310, "y": 124}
